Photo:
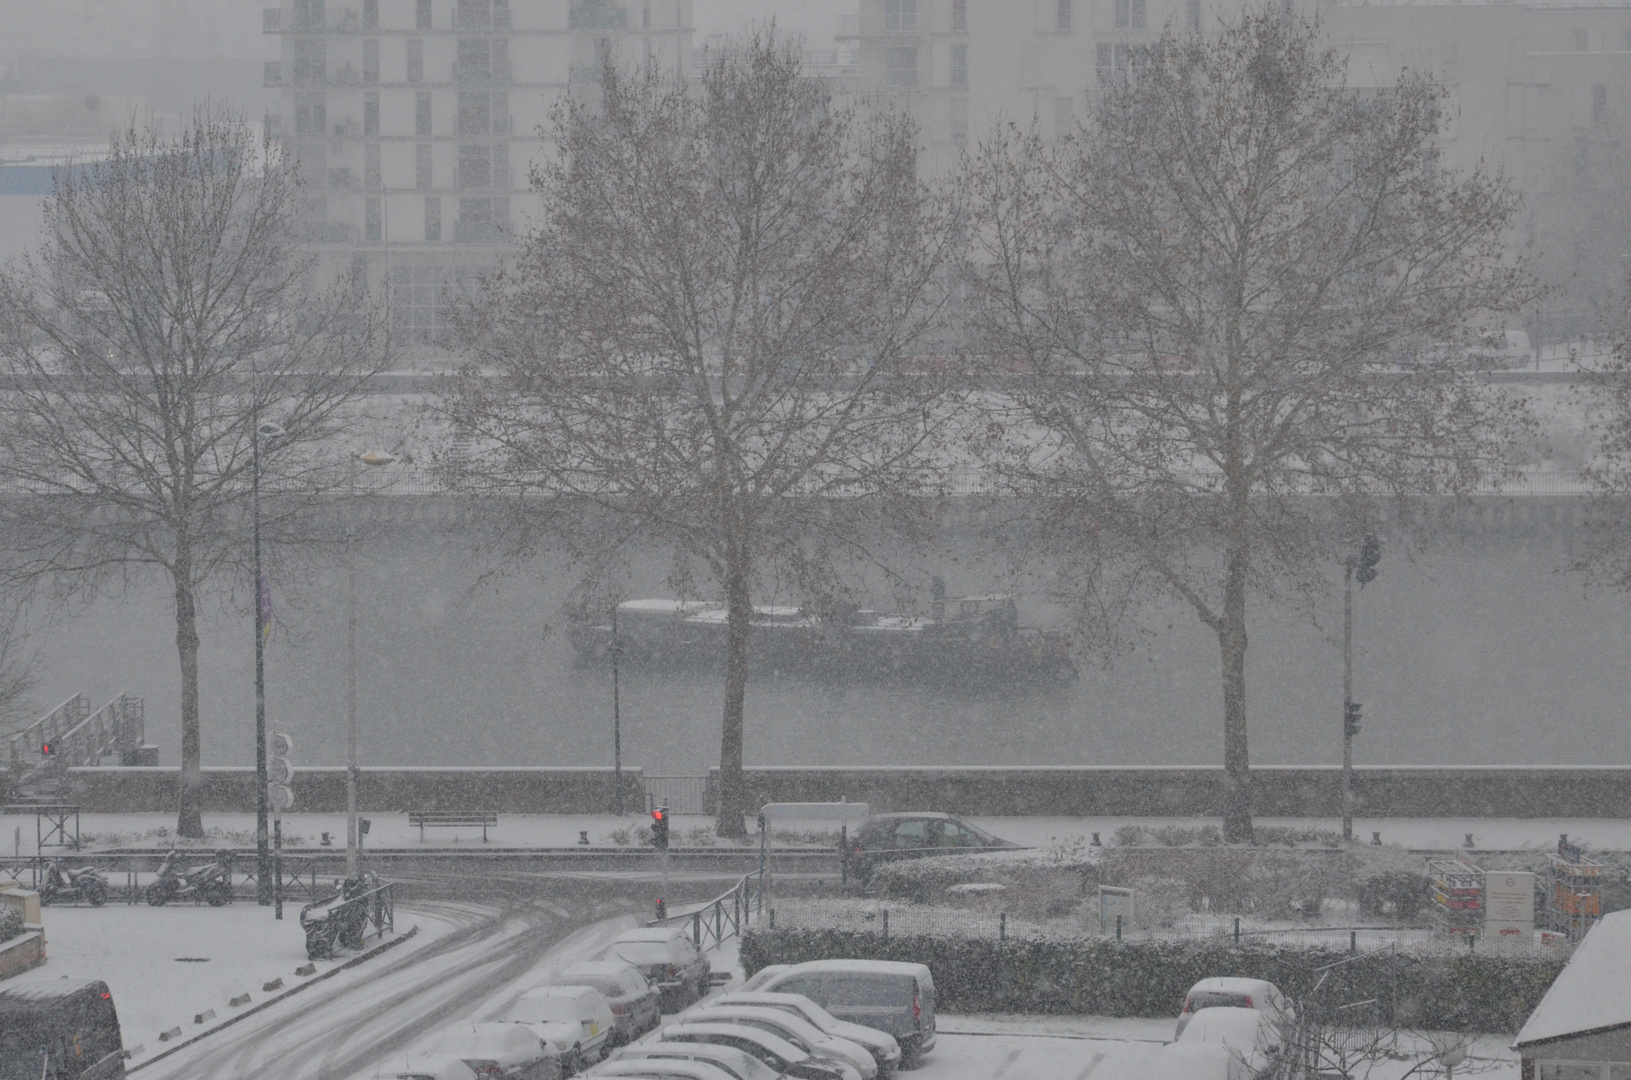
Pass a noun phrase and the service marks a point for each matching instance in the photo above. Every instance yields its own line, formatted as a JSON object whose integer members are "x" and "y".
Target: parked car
{"x": 1250, "y": 1036}
{"x": 891, "y": 996}
{"x": 884, "y": 1047}
{"x": 433, "y": 1068}
{"x": 795, "y": 1029}
{"x": 497, "y": 1049}
{"x": 1259, "y": 994}
{"x": 663, "y": 1069}
{"x": 65, "y": 1029}
{"x": 634, "y": 1001}
{"x": 738, "y": 1064}
{"x": 667, "y": 957}
{"x": 574, "y": 1020}
{"x": 773, "y": 1050}
{"x": 885, "y": 837}
{"x": 758, "y": 979}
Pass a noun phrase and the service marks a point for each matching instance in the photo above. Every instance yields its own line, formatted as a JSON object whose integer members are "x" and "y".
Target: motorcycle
{"x": 67, "y": 883}
{"x": 211, "y": 883}
{"x": 335, "y": 923}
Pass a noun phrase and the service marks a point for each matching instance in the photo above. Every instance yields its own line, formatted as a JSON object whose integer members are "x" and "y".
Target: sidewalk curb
{"x": 269, "y": 1002}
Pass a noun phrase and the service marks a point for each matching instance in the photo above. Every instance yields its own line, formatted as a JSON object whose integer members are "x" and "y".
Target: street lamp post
{"x": 1363, "y": 566}
{"x": 372, "y": 459}
{"x": 263, "y": 610}
{"x": 616, "y": 649}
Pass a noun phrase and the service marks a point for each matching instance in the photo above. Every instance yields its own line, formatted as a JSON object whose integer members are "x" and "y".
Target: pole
{"x": 350, "y": 680}
{"x": 277, "y": 866}
{"x": 263, "y": 884}
{"x": 1347, "y": 701}
{"x": 616, "y": 649}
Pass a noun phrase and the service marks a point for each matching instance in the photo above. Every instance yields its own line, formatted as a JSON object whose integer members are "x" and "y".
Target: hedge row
{"x": 1480, "y": 992}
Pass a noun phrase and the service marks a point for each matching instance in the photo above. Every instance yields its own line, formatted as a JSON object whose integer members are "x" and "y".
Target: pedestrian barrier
{"x": 718, "y": 920}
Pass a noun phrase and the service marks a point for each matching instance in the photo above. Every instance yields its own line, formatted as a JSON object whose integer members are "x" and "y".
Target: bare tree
{"x": 703, "y": 339}
{"x": 166, "y": 314}
{"x": 1191, "y": 315}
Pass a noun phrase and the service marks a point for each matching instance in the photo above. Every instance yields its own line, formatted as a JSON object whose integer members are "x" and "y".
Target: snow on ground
{"x": 167, "y": 965}
{"x": 391, "y": 830}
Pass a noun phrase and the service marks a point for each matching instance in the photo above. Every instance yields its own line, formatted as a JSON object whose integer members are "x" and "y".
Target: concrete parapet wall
{"x": 510, "y": 791}
{"x": 1521, "y": 792}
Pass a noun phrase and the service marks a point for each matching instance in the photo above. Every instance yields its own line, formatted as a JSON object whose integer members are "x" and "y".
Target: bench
{"x": 423, "y": 819}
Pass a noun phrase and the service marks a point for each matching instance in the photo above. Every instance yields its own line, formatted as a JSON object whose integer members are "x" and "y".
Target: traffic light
{"x": 47, "y": 749}
{"x": 659, "y": 828}
{"x": 1350, "y": 719}
{"x": 1370, "y": 553}
{"x": 280, "y": 774}
{"x": 662, "y": 911}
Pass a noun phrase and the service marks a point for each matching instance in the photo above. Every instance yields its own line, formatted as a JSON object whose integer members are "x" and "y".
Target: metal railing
{"x": 718, "y": 920}
{"x": 129, "y": 874}
{"x": 681, "y": 794}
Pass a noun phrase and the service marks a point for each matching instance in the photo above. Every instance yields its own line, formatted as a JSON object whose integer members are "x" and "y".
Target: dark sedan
{"x": 883, "y": 837}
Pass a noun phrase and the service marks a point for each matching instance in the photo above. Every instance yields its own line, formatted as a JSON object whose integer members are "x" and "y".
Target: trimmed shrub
{"x": 11, "y": 922}
{"x": 1461, "y": 992}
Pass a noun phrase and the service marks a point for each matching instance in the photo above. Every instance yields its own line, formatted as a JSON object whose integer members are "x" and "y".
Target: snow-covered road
{"x": 354, "y": 1026}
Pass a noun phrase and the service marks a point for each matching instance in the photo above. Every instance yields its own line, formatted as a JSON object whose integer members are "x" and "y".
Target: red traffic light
{"x": 657, "y": 815}
{"x": 45, "y": 749}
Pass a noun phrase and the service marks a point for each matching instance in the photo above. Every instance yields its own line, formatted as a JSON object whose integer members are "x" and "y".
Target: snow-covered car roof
{"x": 1231, "y": 985}
{"x": 764, "y": 975}
{"x": 1589, "y": 994}
{"x": 499, "y": 1041}
{"x": 769, "y": 1040}
{"x": 663, "y": 1067}
{"x": 654, "y": 933}
{"x": 428, "y": 1068}
{"x": 1241, "y": 1030}
{"x": 740, "y": 1062}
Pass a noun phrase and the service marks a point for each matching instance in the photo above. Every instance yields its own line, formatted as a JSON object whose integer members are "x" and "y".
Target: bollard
{"x": 1353, "y": 942}
{"x": 1118, "y": 927}
{"x": 1096, "y": 842}
{"x": 1237, "y": 929}
{"x": 1376, "y": 839}
{"x": 773, "y": 918}
{"x": 1002, "y": 926}
{"x": 583, "y": 837}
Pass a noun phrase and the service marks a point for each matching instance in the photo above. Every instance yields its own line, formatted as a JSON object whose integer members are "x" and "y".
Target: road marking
{"x": 1091, "y": 1065}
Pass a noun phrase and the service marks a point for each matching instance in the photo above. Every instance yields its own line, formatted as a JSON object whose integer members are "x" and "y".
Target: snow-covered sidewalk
{"x": 168, "y": 966}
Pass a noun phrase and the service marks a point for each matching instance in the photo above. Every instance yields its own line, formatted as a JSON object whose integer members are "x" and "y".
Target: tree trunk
{"x": 189, "y": 821}
{"x": 739, "y": 610}
{"x": 1231, "y": 630}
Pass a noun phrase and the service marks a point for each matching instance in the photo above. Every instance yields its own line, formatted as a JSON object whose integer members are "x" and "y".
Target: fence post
{"x": 1353, "y": 942}
{"x": 1237, "y": 931}
{"x": 1118, "y": 927}
{"x": 886, "y": 924}
{"x": 773, "y": 918}
{"x": 696, "y": 929}
{"x": 1002, "y": 926}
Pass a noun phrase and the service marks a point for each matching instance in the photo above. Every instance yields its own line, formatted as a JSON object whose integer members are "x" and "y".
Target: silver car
{"x": 884, "y": 1047}
{"x": 735, "y": 1063}
{"x": 795, "y": 1029}
{"x": 885, "y": 994}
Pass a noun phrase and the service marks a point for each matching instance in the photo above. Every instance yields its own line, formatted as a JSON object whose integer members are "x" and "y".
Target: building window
{"x": 959, "y": 120}
{"x": 419, "y": 313}
{"x": 421, "y": 15}
{"x": 372, "y": 220}
{"x": 310, "y": 114}
{"x": 597, "y": 15}
{"x": 421, "y": 114}
{"x": 959, "y": 16}
{"x": 1582, "y": 41}
{"x": 1130, "y": 15}
{"x": 308, "y": 14}
{"x": 645, "y": 16}
{"x": 474, "y": 62}
{"x": 476, "y": 221}
{"x": 416, "y": 60}
{"x": 370, "y": 14}
{"x": 370, "y": 60}
{"x": 433, "y": 218}
{"x": 1599, "y": 104}
{"x": 1194, "y": 14}
{"x": 370, "y": 113}
{"x": 421, "y": 167}
{"x": 899, "y": 16}
{"x": 475, "y": 112}
{"x": 900, "y": 67}
{"x": 309, "y": 60}
{"x": 501, "y": 166}
{"x": 475, "y": 166}
{"x": 1061, "y": 16}
{"x": 371, "y": 178}
{"x": 1112, "y": 62}
{"x": 1064, "y": 117}
{"x": 501, "y": 114}
{"x": 959, "y": 65}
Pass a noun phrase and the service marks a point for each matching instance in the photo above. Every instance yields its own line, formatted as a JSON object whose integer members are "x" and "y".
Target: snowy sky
{"x": 815, "y": 19}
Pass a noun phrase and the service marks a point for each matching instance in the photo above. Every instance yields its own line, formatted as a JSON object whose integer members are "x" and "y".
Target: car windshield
{"x": 1218, "y": 999}
{"x": 871, "y": 990}
{"x": 543, "y": 1010}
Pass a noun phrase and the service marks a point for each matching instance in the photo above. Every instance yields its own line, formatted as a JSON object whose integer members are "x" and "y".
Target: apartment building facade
{"x": 415, "y": 123}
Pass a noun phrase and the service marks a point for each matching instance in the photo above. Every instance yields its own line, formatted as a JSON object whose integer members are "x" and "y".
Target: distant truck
{"x": 59, "y": 1030}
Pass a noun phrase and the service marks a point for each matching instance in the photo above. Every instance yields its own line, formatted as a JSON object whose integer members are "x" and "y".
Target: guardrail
{"x": 718, "y": 920}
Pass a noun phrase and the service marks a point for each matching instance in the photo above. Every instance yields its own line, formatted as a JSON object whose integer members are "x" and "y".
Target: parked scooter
{"x": 67, "y": 883}
{"x": 211, "y": 882}
{"x": 337, "y": 922}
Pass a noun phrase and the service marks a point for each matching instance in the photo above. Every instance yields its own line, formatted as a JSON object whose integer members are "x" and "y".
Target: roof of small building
{"x": 1593, "y": 992}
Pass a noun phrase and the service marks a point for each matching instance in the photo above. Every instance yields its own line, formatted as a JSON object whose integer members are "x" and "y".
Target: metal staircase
{"x": 76, "y": 737}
